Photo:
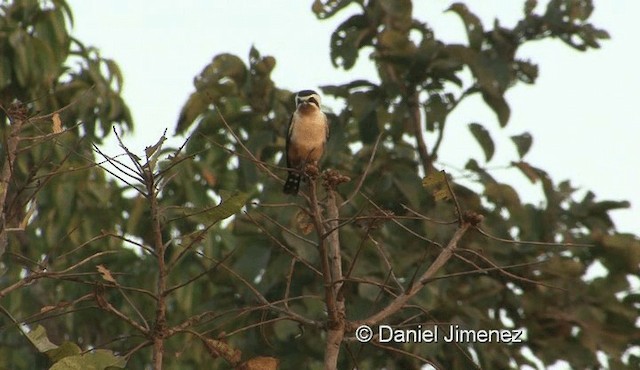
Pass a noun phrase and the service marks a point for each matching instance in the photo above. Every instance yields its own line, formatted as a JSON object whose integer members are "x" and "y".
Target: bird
{"x": 306, "y": 137}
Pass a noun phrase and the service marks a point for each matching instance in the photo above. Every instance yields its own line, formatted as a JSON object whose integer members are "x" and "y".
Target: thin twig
{"x": 284, "y": 247}
{"x": 104, "y": 304}
{"x": 423, "y": 217}
{"x": 426, "y": 159}
{"x": 403, "y": 352}
{"x": 436, "y": 146}
{"x": 255, "y": 160}
{"x": 401, "y": 300}
{"x": 364, "y": 174}
{"x": 455, "y": 198}
{"x": 548, "y": 244}
{"x": 513, "y": 276}
{"x": 289, "y": 279}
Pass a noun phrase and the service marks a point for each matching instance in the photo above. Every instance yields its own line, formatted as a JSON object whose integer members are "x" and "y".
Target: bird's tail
{"x": 292, "y": 185}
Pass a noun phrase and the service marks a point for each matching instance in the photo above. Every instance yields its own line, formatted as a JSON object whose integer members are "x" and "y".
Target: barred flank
{"x": 292, "y": 184}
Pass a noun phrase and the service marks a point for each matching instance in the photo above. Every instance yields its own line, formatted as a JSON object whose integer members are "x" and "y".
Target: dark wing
{"x": 326, "y": 122}
{"x": 288, "y": 139}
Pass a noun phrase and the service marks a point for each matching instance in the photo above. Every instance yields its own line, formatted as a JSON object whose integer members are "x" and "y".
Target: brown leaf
{"x": 47, "y": 309}
{"x": 106, "y": 274}
{"x": 57, "y": 123}
{"x": 209, "y": 177}
{"x": 527, "y": 170}
{"x": 218, "y": 348}
{"x": 260, "y": 363}
{"x": 436, "y": 181}
{"x": 304, "y": 222}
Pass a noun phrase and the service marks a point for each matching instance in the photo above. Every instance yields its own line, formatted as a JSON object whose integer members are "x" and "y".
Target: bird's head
{"x": 307, "y": 97}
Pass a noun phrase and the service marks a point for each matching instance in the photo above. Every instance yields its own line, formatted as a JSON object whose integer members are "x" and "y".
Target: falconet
{"x": 307, "y": 135}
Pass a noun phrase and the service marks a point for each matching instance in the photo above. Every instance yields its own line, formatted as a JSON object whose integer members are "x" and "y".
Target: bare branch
{"x": 436, "y": 146}
{"x": 255, "y": 160}
{"x": 546, "y": 244}
{"x": 455, "y": 198}
{"x": 17, "y": 117}
{"x": 284, "y": 247}
{"x": 105, "y": 305}
{"x": 401, "y": 300}
{"x": 364, "y": 174}
{"x": 426, "y": 159}
{"x": 289, "y": 279}
{"x": 405, "y": 353}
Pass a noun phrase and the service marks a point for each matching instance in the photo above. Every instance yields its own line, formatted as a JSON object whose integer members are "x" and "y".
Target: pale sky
{"x": 580, "y": 112}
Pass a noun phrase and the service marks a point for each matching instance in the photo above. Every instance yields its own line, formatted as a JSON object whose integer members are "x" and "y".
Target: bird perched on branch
{"x": 306, "y": 138}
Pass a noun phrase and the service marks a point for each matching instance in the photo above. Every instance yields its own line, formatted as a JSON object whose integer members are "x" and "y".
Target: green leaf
{"x": 472, "y": 24}
{"x": 347, "y": 39}
{"x": 66, "y": 349}
{"x": 499, "y": 106}
{"x": 44, "y": 73}
{"x": 530, "y": 172}
{"x": 529, "y": 6}
{"x": 398, "y": 9}
{"x": 149, "y": 151}
{"x": 472, "y": 165}
{"x": 227, "y": 208}
{"x": 484, "y": 139}
{"x": 24, "y": 55}
{"x": 437, "y": 110}
{"x": 437, "y": 182}
{"x": 38, "y": 337}
{"x": 503, "y": 195}
{"x": 435, "y": 178}
{"x": 5, "y": 72}
{"x": 225, "y": 65}
{"x": 97, "y": 360}
{"x": 363, "y": 106}
{"x": 195, "y": 105}
{"x": 345, "y": 90}
{"x": 114, "y": 74}
{"x": 51, "y": 28}
{"x": 286, "y": 330}
{"x": 526, "y": 71}
{"x": 326, "y": 9}
{"x": 523, "y": 143}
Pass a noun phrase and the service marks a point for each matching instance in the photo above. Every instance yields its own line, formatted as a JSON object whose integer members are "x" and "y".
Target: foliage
{"x": 193, "y": 287}
{"x": 539, "y": 287}
{"x": 48, "y": 183}
{"x": 43, "y": 68}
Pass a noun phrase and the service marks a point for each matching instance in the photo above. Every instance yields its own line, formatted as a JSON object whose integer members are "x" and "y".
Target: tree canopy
{"x": 180, "y": 257}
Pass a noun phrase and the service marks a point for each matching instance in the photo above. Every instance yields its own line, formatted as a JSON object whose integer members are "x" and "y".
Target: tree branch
{"x": 401, "y": 300}
{"x": 426, "y": 159}
{"x": 335, "y": 333}
{"x": 17, "y": 117}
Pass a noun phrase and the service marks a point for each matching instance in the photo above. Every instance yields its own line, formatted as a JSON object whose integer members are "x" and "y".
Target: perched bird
{"x": 306, "y": 138}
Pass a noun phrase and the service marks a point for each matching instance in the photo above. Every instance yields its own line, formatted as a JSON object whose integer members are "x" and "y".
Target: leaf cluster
{"x": 251, "y": 284}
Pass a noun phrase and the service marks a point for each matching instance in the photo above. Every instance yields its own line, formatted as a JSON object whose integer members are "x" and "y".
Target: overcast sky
{"x": 580, "y": 112}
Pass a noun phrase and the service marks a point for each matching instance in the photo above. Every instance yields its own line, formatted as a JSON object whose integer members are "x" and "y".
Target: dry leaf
{"x": 209, "y": 177}
{"x": 304, "y": 223}
{"x": 57, "y": 123}
{"x": 218, "y": 348}
{"x": 47, "y": 309}
{"x": 260, "y": 363}
{"x": 437, "y": 182}
{"x": 106, "y": 274}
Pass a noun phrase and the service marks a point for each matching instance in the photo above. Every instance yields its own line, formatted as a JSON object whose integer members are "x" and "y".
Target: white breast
{"x": 309, "y": 133}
